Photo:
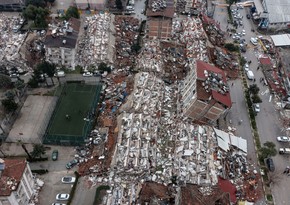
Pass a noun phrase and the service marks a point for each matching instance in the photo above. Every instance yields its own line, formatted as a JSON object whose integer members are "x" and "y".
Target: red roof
{"x": 265, "y": 61}
{"x": 13, "y": 172}
{"x": 224, "y": 99}
{"x": 228, "y": 187}
{"x": 202, "y": 66}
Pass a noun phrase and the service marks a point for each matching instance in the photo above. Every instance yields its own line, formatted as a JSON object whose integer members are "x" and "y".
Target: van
{"x": 250, "y": 75}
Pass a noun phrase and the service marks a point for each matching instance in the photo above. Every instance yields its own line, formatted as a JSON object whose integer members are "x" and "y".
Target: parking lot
{"x": 56, "y": 170}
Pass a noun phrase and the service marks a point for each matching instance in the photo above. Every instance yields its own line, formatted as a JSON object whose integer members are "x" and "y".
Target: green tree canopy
{"x": 119, "y": 4}
{"x": 254, "y": 89}
{"x": 5, "y": 81}
{"x": 103, "y": 67}
{"x": 256, "y": 99}
{"x": 47, "y": 68}
{"x": 9, "y": 105}
{"x": 37, "y": 14}
{"x": 268, "y": 150}
{"x": 38, "y": 150}
{"x": 72, "y": 12}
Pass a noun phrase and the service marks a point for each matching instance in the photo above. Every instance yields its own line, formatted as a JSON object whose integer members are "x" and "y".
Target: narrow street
{"x": 268, "y": 122}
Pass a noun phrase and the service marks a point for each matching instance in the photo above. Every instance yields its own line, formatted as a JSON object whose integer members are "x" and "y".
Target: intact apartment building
{"x": 204, "y": 93}
{"x": 12, "y": 5}
{"x": 61, "y": 43}
{"x": 16, "y": 182}
{"x": 90, "y": 4}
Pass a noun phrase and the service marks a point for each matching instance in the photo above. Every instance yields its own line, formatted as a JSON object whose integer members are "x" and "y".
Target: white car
{"x": 57, "y": 204}
{"x": 256, "y": 107}
{"x": 87, "y": 74}
{"x": 254, "y": 41}
{"x": 60, "y": 74}
{"x": 68, "y": 180}
{"x": 283, "y": 139}
{"x": 246, "y": 67}
{"x": 62, "y": 197}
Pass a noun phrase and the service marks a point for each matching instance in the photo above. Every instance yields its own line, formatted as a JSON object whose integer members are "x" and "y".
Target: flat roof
{"x": 278, "y": 10}
{"x": 281, "y": 40}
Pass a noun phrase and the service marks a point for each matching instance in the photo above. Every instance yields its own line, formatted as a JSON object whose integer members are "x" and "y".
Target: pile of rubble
{"x": 151, "y": 58}
{"x": 158, "y": 5}
{"x": 190, "y": 33}
{"x": 97, "y": 44}
{"x": 127, "y": 30}
{"x": 174, "y": 61}
{"x": 213, "y": 30}
{"x": 10, "y": 40}
{"x": 38, "y": 184}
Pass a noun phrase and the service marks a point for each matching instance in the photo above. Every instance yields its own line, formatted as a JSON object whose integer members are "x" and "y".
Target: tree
{"x": 268, "y": 150}
{"x": 72, "y": 12}
{"x": 38, "y": 150}
{"x": 47, "y": 68}
{"x": 231, "y": 47}
{"x": 10, "y": 94}
{"x": 51, "y": 1}
{"x": 103, "y": 67}
{"x": 36, "y": 14}
{"x": 256, "y": 99}
{"x": 5, "y": 81}
{"x": 119, "y": 4}
{"x": 254, "y": 89}
{"x": 9, "y": 105}
{"x": 230, "y": 2}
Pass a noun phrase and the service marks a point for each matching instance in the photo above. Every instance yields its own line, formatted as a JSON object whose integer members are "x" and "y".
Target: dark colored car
{"x": 270, "y": 164}
{"x": 71, "y": 164}
{"x": 54, "y": 155}
{"x": 248, "y": 16}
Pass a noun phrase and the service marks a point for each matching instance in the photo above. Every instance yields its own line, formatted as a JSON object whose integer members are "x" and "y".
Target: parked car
{"x": 71, "y": 164}
{"x": 246, "y": 67}
{"x": 87, "y": 74}
{"x": 283, "y": 139}
{"x": 248, "y": 16}
{"x": 254, "y": 41}
{"x": 68, "y": 180}
{"x": 250, "y": 75}
{"x": 58, "y": 204}
{"x": 256, "y": 107}
{"x": 62, "y": 197}
{"x": 284, "y": 151}
{"x": 270, "y": 164}
{"x": 60, "y": 74}
{"x": 54, "y": 155}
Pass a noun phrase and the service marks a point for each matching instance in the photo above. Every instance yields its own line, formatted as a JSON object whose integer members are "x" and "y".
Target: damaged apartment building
{"x": 61, "y": 43}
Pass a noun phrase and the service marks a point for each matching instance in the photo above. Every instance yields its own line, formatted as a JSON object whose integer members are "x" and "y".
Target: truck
{"x": 284, "y": 151}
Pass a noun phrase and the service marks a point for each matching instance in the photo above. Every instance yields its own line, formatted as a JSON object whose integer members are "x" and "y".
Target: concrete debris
{"x": 158, "y": 5}
{"x": 127, "y": 35}
{"x": 97, "y": 43}
{"x": 11, "y": 41}
{"x": 190, "y": 33}
{"x": 151, "y": 59}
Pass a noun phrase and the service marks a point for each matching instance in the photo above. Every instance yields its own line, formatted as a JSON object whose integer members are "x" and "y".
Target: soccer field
{"x": 74, "y": 113}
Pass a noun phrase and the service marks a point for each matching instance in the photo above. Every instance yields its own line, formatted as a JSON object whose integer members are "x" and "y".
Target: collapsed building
{"x": 98, "y": 41}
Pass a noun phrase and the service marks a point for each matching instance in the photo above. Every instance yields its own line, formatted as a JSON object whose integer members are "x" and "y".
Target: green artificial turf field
{"x": 76, "y": 104}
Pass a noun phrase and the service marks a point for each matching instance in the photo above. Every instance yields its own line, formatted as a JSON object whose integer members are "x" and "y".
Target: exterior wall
{"x": 12, "y": 6}
{"x": 24, "y": 192}
{"x": 214, "y": 113}
{"x": 61, "y": 56}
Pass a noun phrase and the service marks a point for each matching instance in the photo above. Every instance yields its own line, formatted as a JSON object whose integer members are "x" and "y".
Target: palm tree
{"x": 38, "y": 150}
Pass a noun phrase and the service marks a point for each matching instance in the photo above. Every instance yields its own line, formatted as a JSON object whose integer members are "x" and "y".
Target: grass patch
{"x": 98, "y": 195}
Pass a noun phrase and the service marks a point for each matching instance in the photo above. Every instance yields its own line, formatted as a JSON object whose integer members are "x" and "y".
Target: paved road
{"x": 267, "y": 120}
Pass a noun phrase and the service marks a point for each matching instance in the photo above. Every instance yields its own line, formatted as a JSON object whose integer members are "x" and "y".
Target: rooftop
{"x": 278, "y": 10}
{"x": 11, "y": 175}
{"x": 63, "y": 36}
{"x": 265, "y": 61}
